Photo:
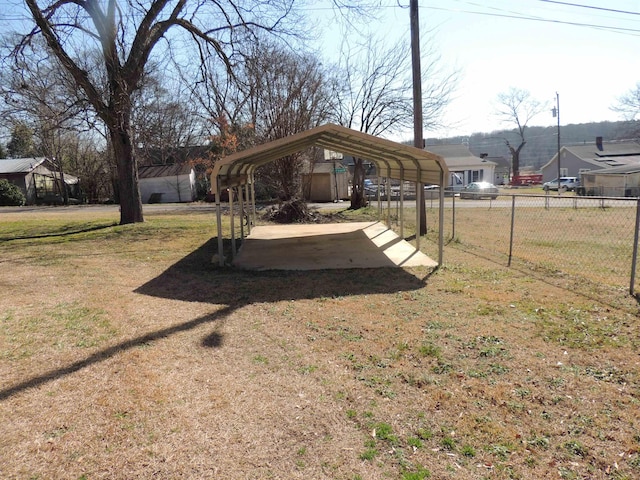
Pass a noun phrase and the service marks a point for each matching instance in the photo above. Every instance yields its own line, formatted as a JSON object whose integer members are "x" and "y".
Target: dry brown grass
{"x": 559, "y": 238}
{"x": 125, "y": 354}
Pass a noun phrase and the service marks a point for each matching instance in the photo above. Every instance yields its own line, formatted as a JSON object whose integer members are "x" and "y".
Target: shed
{"x": 167, "y": 183}
{"x": 327, "y": 182}
{"x": 622, "y": 181}
{"x": 393, "y": 160}
{"x": 38, "y": 179}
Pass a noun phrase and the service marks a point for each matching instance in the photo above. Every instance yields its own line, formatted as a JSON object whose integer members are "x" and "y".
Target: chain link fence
{"x": 592, "y": 238}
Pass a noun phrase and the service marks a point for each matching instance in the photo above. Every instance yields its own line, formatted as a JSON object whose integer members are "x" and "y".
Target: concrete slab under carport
{"x": 327, "y": 246}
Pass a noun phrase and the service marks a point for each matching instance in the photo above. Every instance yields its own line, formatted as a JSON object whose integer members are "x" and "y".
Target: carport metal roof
{"x": 393, "y": 160}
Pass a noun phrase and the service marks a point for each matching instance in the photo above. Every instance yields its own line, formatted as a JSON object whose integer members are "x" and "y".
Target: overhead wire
{"x": 626, "y": 12}
{"x": 518, "y": 16}
{"x": 511, "y": 14}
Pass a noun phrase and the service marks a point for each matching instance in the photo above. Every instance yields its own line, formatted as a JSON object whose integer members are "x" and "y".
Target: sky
{"x": 589, "y": 56}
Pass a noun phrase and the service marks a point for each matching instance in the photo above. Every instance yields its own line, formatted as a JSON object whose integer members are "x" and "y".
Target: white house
{"x": 167, "y": 183}
{"x": 464, "y": 167}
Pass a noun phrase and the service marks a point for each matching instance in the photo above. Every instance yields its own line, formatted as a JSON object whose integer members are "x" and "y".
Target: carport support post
{"x": 378, "y": 197}
{"x": 634, "y": 257}
{"x": 242, "y": 215}
{"x": 233, "y": 224}
{"x": 248, "y": 214}
{"x": 219, "y": 220}
{"x": 388, "y": 192}
{"x": 253, "y": 197}
{"x": 418, "y": 186}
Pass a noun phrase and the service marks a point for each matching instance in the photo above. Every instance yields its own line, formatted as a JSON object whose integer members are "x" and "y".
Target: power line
{"x": 511, "y": 15}
{"x": 626, "y": 12}
{"x": 632, "y": 31}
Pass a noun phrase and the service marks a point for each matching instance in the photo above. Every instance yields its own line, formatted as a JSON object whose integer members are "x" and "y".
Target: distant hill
{"x": 542, "y": 143}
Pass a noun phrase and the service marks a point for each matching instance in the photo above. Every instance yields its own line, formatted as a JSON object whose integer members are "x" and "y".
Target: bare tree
{"x": 163, "y": 120}
{"x": 36, "y": 94}
{"x": 628, "y": 105}
{"x": 376, "y": 97}
{"x": 126, "y": 33}
{"x": 516, "y": 106}
{"x": 286, "y": 93}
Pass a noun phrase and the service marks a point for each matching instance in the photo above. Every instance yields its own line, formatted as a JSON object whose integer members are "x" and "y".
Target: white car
{"x": 566, "y": 184}
{"x": 478, "y": 190}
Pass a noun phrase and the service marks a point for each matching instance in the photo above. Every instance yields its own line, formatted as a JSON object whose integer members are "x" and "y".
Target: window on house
{"x": 476, "y": 175}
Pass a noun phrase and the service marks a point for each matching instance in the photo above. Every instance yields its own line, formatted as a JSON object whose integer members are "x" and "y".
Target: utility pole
{"x": 418, "y": 140}
{"x": 556, "y": 113}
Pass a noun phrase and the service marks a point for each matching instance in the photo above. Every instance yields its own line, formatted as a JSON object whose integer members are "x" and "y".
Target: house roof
{"x": 20, "y": 165}
{"x": 620, "y": 170}
{"x": 457, "y": 155}
{"x": 393, "y": 160}
{"x": 609, "y": 149}
{"x": 158, "y": 171}
{"x": 172, "y": 155}
{"x": 613, "y": 154}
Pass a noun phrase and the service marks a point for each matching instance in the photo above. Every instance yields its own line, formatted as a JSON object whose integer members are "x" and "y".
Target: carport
{"x": 392, "y": 160}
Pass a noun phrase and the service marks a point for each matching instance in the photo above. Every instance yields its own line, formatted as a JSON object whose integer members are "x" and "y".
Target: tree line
{"x": 102, "y": 87}
{"x": 518, "y": 108}
{"x": 542, "y": 143}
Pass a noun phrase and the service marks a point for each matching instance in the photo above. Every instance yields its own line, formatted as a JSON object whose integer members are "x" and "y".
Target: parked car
{"x": 477, "y": 190}
{"x": 371, "y": 188}
{"x": 566, "y": 183}
{"x": 431, "y": 191}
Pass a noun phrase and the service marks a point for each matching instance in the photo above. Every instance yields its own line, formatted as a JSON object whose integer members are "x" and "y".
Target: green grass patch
{"x": 61, "y": 327}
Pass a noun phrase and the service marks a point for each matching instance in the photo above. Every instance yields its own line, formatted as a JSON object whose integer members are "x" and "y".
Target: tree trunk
{"x": 358, "y": 199}
{"x": 128, "y": 191}
{"x": 515, "y": 156}
{"x": 515, "y": 160}
{"x": 63, "y": 185}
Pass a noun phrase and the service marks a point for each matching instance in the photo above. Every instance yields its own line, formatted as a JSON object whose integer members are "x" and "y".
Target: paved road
{"x": 155, "y": 208}
{"x": 503, "y": 201}
{"x": 524, "y": 201}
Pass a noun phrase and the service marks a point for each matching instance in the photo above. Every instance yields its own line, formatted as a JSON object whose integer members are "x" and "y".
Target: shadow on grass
{"x": 195, "y": 279}
{"x": 88, "y": 228}
{"x": 105, "y": 354}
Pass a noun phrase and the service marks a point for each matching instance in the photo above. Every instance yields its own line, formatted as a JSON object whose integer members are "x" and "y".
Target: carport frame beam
{"x": 219, "y": 221}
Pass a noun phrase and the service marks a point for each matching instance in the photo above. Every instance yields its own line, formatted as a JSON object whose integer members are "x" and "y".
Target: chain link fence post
{"x": 513, "y": 217}
{"x": 453, "y": 216}
{"x": 634, "y": 256}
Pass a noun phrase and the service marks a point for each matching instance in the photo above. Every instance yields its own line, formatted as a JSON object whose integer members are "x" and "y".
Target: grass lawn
{"x": 124, "y": 353}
